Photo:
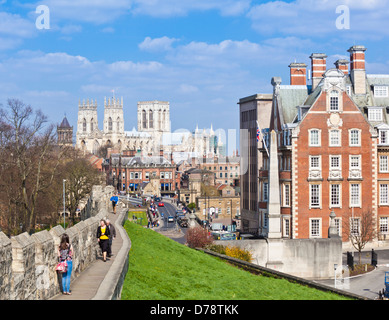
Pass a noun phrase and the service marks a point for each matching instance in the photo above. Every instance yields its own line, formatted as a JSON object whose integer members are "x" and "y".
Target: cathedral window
{"x": 151, "y": 125}
{"x": 110, "y": 124}
{"x": 84, "y": 125}
{"x": 144, "y": 120}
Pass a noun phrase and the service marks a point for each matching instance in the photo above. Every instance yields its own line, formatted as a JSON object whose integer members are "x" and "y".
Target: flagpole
{"x": 264, "y": 142}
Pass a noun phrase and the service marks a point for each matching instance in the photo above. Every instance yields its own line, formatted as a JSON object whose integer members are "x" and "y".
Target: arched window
{"x": 91, "y": 125}
{"x": 334, "y": 100}
{"x": 109, "y": 124}
{"x": 118, "y": 125}
{"x": 84, "y": 125}
{"x": 144, "y": 119}
{"x": 151, "y": 124}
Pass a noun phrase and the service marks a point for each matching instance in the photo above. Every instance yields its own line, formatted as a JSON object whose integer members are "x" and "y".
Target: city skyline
{"x": 201, "y": 56}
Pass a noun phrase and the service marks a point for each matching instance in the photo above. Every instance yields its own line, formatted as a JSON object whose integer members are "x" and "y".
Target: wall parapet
{"x": 27, "y": 263}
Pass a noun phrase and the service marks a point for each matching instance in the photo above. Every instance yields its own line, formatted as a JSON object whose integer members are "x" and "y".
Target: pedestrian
{"x": 114, "y": 200}
{"x": 112, "y": 236}
{"x": 65, "y": 253}
{"x": 102, "y": 238}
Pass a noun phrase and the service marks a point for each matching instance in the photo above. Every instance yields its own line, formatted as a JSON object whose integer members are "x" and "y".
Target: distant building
{"x": 153, "y": 132}
{"x": 65, "y": 133}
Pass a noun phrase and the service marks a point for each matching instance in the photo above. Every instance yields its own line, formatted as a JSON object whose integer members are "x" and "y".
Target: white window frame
{"x": 265, "y": 193}
{"x": 339, "y": 195}
{"x": 351, "y": 137}
{"x": 355, "y": 225}
{"x": 352, "y": 161}
{"x": 286, "y": 227}
{"x": 335, "y": 134}
{"x": 384, "y": 164}
{"x": 334, "y": 101}
{"x": 311, "y": 158}
{"x": 315, "y": 231}
{"x": 318, "y": 137}
{"x": 375, "y": 114}
{"x": 384, "y": 194}
{"x": 352, "y": 201}
{"x": 384, "y": 225}
{"x": 339, "y": 157}
{"x": 380, "y": 91}
{"x": 311, "y": 204}
{"x": 286, "y": 197}
{"x": 385, "y": 133}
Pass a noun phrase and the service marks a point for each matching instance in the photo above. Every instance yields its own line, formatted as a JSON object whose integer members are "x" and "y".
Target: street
{"x": 367, "y": 285}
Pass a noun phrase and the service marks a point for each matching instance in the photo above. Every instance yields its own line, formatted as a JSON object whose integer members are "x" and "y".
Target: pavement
{"x": 87, "y": 284}
{"x": 366, "y": 285}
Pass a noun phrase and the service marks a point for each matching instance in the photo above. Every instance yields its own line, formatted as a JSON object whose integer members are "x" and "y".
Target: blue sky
{"x": 201, "y": 55}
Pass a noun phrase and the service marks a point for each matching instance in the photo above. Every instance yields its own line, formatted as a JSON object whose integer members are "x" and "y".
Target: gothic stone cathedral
{"x": 153, "y": 134}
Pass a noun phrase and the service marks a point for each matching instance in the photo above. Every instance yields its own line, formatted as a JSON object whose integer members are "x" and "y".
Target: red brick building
{"x": 333, "y": 147}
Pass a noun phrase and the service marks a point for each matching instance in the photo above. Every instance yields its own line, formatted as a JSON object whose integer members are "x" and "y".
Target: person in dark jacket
{"x": 112, "y": 235}
{"x": 102, "y": 236}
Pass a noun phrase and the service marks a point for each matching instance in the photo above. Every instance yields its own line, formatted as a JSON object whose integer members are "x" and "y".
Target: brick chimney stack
{"x": 298, "y": 74}
{"x": 319, "y": 67}
{"x": 341, "y": 64}
{"x": 357, "y": 68}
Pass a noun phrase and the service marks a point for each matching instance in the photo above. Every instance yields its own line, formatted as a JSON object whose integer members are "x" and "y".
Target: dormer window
{"x": 380, "y": 91}
{"x": 334, "y": 100}
{"x": 375, "y": 114}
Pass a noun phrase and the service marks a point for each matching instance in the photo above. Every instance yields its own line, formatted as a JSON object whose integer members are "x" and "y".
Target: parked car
{"x": 222, "y": 235}
{"x": 161, "y": 204}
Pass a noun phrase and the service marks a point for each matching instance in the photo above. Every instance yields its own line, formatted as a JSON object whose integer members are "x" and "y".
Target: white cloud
{"x": 170, "y": 8}
{"x": 157, "y": 44}
{"x": 93, "y": 11}
{"x": 318, "y": 18}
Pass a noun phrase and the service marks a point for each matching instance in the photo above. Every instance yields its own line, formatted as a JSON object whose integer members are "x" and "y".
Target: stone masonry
{"x": 27, "y": 263}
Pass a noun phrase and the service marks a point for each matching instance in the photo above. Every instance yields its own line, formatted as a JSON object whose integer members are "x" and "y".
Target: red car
{"x": 161, "y": 204}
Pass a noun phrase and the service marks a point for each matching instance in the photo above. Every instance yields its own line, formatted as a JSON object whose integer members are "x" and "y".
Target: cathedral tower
{"x": 87, "y": 122}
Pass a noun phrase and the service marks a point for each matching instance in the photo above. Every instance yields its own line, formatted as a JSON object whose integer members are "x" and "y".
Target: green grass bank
{"x": 162, "y": 269}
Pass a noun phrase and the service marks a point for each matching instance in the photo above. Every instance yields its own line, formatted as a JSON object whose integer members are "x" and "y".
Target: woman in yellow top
{"x": 102, "y": 237}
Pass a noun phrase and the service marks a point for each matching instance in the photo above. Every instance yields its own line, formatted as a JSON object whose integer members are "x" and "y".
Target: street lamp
{"x": 64, "y": 203}
{"x": 335, "y": 266}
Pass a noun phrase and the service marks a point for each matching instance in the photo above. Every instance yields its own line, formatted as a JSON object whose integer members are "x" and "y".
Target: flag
{"x": 260, "y": 137}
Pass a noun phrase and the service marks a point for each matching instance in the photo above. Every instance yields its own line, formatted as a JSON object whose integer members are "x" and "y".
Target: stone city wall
{"x": 27, "y": 263}
{"x": 305, "y": 258}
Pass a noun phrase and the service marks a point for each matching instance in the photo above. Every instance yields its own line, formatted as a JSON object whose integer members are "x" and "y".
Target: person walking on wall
{"x": 103, "y": 238}
{"x": 65, "y": 253}
{"x": 114, "y": 200}
{"x": 112, "y": 235}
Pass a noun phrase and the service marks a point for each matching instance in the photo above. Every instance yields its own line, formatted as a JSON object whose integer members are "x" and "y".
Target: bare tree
{"x": 80, "y": 176}
{"x": 29, "y": 161}
{"x": 360, "y": 229}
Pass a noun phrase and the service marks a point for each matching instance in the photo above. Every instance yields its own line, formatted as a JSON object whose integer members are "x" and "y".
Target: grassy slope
{"x": 161, "y": 269}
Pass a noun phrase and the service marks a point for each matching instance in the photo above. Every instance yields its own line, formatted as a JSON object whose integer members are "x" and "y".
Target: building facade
{"x": 332, "y": 149}
{"x": 251, "y": 109}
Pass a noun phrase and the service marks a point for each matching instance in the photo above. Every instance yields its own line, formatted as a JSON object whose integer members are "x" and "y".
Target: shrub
{"x": 217, "y": 248}
{"x": 239, "y": 253}
{"x": 198, "y": 237}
